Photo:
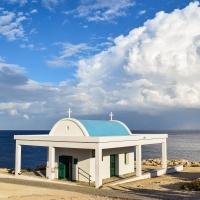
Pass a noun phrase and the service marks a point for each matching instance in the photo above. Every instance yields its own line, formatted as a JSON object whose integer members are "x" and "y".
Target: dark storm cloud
{"x": 10, "y": 77}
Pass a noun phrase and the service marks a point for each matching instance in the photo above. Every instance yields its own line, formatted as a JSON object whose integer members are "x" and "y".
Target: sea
{"x": 180, "y": 144}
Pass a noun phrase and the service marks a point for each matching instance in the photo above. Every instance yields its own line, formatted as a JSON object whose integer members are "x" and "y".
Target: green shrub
{"x": 23, "y": 170}
{"x": 193, "y": 185}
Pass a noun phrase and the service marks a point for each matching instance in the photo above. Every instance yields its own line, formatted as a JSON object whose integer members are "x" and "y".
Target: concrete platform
{"x": 151, "y": 174}
{"x": 147, "y": 173}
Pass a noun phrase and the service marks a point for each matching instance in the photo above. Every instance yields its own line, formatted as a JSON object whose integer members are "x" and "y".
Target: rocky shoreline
{"x": 170, "y": 163}
{"x": 5, "y": 170}
{"x": 146, "y": 162}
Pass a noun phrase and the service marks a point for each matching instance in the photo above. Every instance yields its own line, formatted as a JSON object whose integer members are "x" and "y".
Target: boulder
{"x": 3, "y": 170}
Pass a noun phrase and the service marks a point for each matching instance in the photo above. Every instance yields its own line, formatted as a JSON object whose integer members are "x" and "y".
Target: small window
{"x": 75, "y": 161}
{"x": 93, "y": 153}
{"x": 126, "y": 159}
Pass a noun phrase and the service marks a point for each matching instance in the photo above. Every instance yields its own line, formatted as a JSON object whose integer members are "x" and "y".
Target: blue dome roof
{"x": 105, "y": 128}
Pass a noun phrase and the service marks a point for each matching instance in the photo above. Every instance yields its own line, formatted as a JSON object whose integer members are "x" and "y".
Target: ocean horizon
{"x": 180, "y": 144}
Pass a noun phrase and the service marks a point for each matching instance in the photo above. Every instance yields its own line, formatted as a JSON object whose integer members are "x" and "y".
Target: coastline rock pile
{"x": 4, "y": 170}
{"x": 158, "y": 162}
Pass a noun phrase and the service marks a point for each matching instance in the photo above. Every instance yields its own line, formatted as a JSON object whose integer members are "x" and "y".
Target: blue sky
{"x": 138, "y": 59}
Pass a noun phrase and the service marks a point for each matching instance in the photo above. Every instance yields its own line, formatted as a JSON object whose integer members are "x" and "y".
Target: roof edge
{"x": 123, "y": 125}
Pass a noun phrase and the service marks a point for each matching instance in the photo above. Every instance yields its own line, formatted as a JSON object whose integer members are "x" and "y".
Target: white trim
{"x": 78, "y": 123}
{"x": 17, "y": 158}
{"x": 138, "y": 160}
{"x": 149, "y": 138}
{"x": 164, "y": 155}
{"x": 98, "y": 166}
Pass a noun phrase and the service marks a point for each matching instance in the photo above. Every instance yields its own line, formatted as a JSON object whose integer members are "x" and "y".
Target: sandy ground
{"x": 18, "y": 192}
{"x": 163, "y": 187}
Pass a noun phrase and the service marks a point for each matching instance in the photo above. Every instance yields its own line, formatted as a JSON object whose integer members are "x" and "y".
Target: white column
{"x": 51, "y": 174}
{"x": 164, "y": 155}
{"x": 120, "y": 162}
{"x": 138, "y": 160}
{"x": 98, "y": 161}
{"x": 17, "y": 158}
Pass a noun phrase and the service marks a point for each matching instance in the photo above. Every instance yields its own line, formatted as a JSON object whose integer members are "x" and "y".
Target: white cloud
{"x": 156, "y": 66}
{"x": 64, "y": 22}
{"x": 10, "y": 26}
{"x": 21, "y": 2}
{"x": 50, "y": 4}
{"x": 20, "y": 13}
{"x": 102, "y": 10}
{"x": 122, "y": 102}
{"x": 153, "y": 68}
{"x": 20, "y": 94}
{"x": 22, "y": 46}
{"x": 34, "y": 11}
{"x": 41, "y": 48}
{"x": 30, "y": 46}
{"x": 1, "y": 59}
{"x": 13, "y": 112}
{"x": 26, "y": 116}
{"x": 142, "y": 12}
{"x": 33, "y": 31}
{"x": 68, "y": 50}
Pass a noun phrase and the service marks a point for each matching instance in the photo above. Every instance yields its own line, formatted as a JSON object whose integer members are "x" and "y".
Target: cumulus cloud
{"x": 155, "y": 66}
{"x": 102, "y": 10}
{"x": 11, "y": 25}
{"x": 19, "y": 93}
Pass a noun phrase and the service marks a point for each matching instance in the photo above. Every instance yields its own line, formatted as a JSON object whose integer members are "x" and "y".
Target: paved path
{"x": 81, "y": 189}
{"x": 115, "y": 194}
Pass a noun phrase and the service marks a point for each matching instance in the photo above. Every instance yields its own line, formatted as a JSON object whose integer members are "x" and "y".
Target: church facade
{"x": 90, "y": 150}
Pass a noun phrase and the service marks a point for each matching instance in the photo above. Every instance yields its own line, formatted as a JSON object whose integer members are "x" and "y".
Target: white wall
{"x": 121, "y": 167}
{"x": 87, "y": 162}
{"x": 82, "y": 155}
{"x": 66, "y": 127}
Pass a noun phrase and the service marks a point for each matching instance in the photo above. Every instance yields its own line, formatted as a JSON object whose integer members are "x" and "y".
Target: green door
{"x": 62, "y": 167}
{"x": 65, "y": 167}
{"x": 69, "y": 168}
{"x": 112, "y": 165}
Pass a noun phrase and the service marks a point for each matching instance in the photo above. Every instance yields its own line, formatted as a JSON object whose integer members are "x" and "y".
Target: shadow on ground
{"x": 169, "y": 191}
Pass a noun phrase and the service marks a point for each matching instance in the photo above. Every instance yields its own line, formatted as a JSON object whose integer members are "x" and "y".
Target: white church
{"x": 90, "y": 150}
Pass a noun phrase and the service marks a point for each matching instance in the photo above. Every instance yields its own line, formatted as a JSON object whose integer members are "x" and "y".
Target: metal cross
{"x": 111, "y": 115}
{"x": 69, "y": 111}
